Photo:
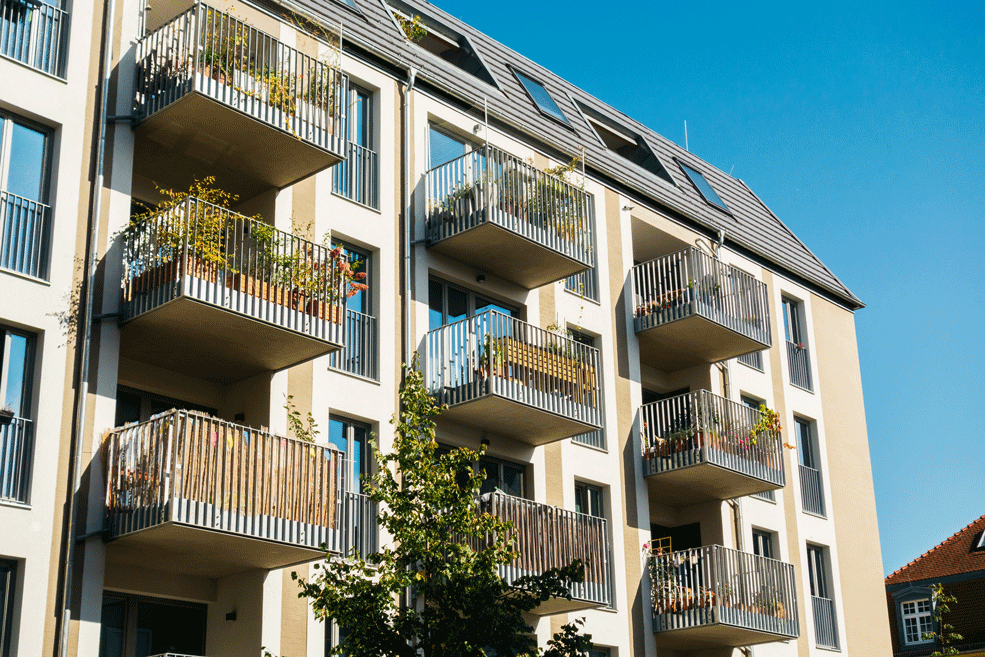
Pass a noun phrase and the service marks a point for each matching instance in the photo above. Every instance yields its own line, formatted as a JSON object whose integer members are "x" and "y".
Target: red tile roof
{"x": 954, "y": 556}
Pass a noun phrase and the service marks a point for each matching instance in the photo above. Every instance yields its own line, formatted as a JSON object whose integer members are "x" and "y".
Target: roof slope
{"x": 954, "y": 556}
{"x": 752, "y": 226}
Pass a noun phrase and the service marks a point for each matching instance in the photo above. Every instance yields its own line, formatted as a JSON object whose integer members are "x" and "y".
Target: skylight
{"x": 624, "y": 142}
{"x": 707, "y": 191}
{"x": 442, "y": 41}
{"x": 542, "y": 99}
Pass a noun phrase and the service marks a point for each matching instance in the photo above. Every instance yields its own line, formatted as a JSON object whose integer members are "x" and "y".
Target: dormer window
{"x": 707, "y": 192}
{"x": 541, "y": 97}
{"x": 624, "y": 142}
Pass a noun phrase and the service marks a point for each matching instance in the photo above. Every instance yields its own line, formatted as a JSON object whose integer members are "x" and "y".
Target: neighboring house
{"x": 609, "y": 334}
{"x": 959, "y": 564}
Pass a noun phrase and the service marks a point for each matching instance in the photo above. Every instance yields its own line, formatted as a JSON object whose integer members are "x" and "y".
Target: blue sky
{"x": 862, "y": 125}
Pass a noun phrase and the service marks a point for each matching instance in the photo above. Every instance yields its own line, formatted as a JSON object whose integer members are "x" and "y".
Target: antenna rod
{"x": 685, "y": 137}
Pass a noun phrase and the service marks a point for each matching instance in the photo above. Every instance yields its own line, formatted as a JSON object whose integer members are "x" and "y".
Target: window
{"x": 817, "y": 571}
{"x": 8, "y": 583}
{"x": 16, "y": 371}
{"x": 622, "y": 141}
{"x": 798, "y": 358}
{"x": 588, "y": 500}
{"x": 592, "y": 438}
{"x": 811, "y": 485}
{"x": 134, "y": 405}
{"x": 825, "y": 625}
{"x": 707, "y": 192}
{"x": 917, "y": 620}
{"x": 443, "y": 41}
{"x": 17, "y": 432}
{"x": 501, "y": 475}
{"x": 599, "y": 651}
{"x": 791, "y": 322}
{"x": 32, "y": 32}
{"x": 762, "y": 543}
{"x": 24, "y": 213}
{"x": 352, "y": 439}
{"x": 358, "y": 177}
{"x": 449, "y": 303}
{"x": 359, "y": 355}
{"x": 541, "y": 97}
{"x": 152, "y": 626}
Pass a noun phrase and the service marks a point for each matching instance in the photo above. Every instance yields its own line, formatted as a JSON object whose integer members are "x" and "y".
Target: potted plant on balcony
{"x": 463, "y": 200}
{"x": 513, "y": 186}
{"x": 769, "y": 602}
{"x": 492, "y": 359}
{"x": 6, "y": 416}
{"x": 767, "y": 426}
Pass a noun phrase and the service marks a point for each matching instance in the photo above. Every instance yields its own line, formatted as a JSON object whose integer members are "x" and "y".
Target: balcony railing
{"x": 594, "y": 439}
{"x": 694, "y": 590}
{"x": 16, "y": 457}
{"x": 811, "y": 490}
{"x": 753, "y": 360}
{"x": 189, "y": 469}
{"x": 550, "y": 537}
{"x": 825, "y": 625}
{"x": 502, "y": 367}
{"x": 24, "y": 239}
{"x": 530, "y": 227}
{"x": 359, "y": 356}
{"x": 680, "y": 434}
{"x": 34, "y": 33}
{"x": 232, "y": 79}
{"x": 208, "y": 254}
{"x": 799, "y": 359}
{"x": 677, "y": 289}
{"x": 357, "y": 178}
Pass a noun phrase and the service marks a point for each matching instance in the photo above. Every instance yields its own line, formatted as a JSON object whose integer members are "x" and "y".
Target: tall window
{"x": 825, "y": 628}
{"x": 352, "y": 438}
{"x": 16, "y": 368}
{"x": 798, "y": 354}
{"x": 502, "y": 475}
{"x": 594, "y": 438}
{"x": 24, "y": 214}
{"x": 8, "y": 581}
{"x": 449, "y": 303}
{"x": 358, "y": 178}
{"x": 762, "y": 543}
{"x": 444, "y": 147}
{"x": 588, "y": 500}
{"x": 792, "y": 330}
{"x": 811, "y": 484}
{"x": 359, "y": 356}
{"x": 16, "y": 432}
{"x": 917, "y": 620}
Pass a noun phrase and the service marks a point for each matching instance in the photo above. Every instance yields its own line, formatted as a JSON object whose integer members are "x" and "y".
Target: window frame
{"x": 793, "y": 321}
{"x": 688, "y": 169}
{"x": 586, "y": 491}
{"x": 520, "y": 76}
{"x": 365, "y": 453}
{"x": 6, "y": 136}
{"x": 470, "y": 311}
{"x": 500, "y": 463}
{"x": 917, "y": 615}
{"x": 8, "y": 601}
{"x": 763, "y": 538}
{"x": 28, "y": 377}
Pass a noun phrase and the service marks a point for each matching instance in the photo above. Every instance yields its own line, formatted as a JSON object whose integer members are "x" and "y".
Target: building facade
{"x": 606, "y": 312}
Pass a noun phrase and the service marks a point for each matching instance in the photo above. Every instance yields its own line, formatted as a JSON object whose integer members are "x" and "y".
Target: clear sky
{"x": 862, "y": 126}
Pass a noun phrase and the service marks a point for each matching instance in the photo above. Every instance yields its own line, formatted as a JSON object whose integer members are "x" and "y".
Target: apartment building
{"x": 608, "y": 330}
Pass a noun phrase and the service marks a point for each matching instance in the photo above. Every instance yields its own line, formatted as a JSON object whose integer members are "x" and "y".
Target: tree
{"x": 942, "y": 601}
{"x": 436, "y": 591}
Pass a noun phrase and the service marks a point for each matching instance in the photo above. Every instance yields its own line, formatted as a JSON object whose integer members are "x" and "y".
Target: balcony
{"x": 506, "y": 377}
{"x": 211, "y": 498}
{"x": 691, "y": 308}
{"x": 358, "y": 177}
{"x": 236, "y": 103}
{"x": 716, "y": 597}
{"x": 549, "y": 537}
{"x": 494, "y": 212}
{"x": 699, "y": 447}
{"x": 16, "y": 458}
{"x": 24, "y": 235}
{"x": 204, "y": 286}
{"x": 34, "y": 33}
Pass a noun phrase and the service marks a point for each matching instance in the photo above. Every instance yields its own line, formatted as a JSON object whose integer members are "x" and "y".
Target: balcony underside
{"x": 563, "y": 606}
{"x": 701, "y": 482}
{"x": 494, "y": 249}
{"x": 688, "y": 341}
{"x": 214, "y": 343}
{"x": 197, "y": 136}
{"x": 733, "y": 628}
{"x": 190, "y": 550}
{"x": 504, "y": 417}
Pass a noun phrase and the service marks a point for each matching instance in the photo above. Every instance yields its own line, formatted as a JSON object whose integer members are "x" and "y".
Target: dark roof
{"x": 954, "y": 556}
{"x": 752, "y": 225}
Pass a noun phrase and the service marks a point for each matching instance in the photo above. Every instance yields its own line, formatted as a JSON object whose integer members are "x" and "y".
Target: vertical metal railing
{"x": 490, "y": 185}
{"x": 34, "y": 33}
{"x": 359, "y": 356}
{"x": 753, "y": 360}
{"x": 357, "y": 178}
{"x": 229, "y": 60}
{"x": 715, "y": 584}
{"x": 217, "y": 256}
{"x": 799, "y": 360}
{"x": 190, "y": 468}
{"x": 811, "y": 490}
{"x": 825, "y": 625}
{"x": 594, "y": 439}
{"x": 493, "y": 353}
{"x": 550, "y": 537}
{"x": 25, "y": 227}
{"x": 16, "y": 459}
{"x": 700, "y": 427}
{"x": 691, "y": 282}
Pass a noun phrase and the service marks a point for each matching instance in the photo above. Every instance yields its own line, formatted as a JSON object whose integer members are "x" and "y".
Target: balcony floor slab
{"x": 214, "y": 343}
{"x": 714, "y": 635}
{"x": 508, "y": 255}
{"x": 504, "y": 417}
{"x": 689, "y": 341}
{"x": 190, "y": 550}
{"x": 701, "y": 482}
{"x": 207, "y": 137}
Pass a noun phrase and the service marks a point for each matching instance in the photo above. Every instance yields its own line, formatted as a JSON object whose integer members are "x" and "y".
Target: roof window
{"x": 439, "y": 39}
{"x": 541, "y": 97}
{"x": 704, "y": 187}
{"x": 624, "y": 142}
